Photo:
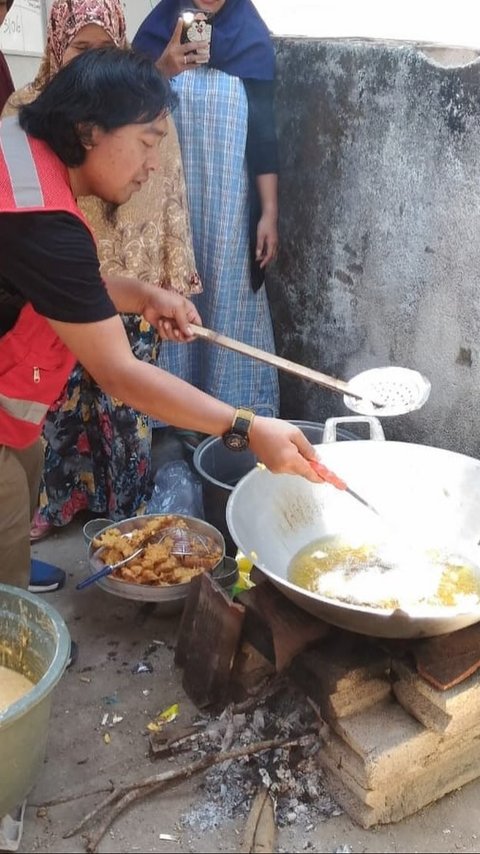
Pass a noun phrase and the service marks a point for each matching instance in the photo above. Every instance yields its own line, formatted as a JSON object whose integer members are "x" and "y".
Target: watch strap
{"x": 242, "y": 420}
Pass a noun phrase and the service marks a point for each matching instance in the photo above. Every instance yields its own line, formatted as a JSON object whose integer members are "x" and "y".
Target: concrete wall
{"x": 380, "y": 224}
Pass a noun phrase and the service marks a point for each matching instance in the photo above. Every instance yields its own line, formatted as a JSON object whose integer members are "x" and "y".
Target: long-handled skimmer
{"x": 379, "y": 391}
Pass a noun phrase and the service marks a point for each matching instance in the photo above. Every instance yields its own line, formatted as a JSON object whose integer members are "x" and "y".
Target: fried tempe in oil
{"x": 156, "y": 565}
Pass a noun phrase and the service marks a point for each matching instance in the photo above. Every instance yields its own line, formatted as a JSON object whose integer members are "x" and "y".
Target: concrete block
{"x": 386, "y": 733}
{"x": 450, "y": 711}
{"x": 348, "y": 702}
{"x": 461, "y": 699}
{"x": 346, "y": 661}
{"x": 408, "y": 792}
{"x": 420, "y": 707}
{"x": 374, "y": 770}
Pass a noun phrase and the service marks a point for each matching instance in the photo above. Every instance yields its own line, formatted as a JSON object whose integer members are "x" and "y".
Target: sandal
{"x": 39, "y": 528}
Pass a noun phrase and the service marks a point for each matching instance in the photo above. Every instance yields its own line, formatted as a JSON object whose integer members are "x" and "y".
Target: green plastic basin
{"x": 34, "y": 641}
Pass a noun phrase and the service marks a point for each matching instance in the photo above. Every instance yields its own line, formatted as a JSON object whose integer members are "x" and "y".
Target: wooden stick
{"x": 124, "y": 795}
{"x": 66, "y": 799}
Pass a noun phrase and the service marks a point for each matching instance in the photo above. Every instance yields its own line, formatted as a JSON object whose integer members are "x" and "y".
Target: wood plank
{"x": 447, "y": 660}
{"x": 277, "y": 627}
{"x": 208, "y": 640}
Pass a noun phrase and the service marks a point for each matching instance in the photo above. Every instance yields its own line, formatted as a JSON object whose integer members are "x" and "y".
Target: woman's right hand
{"x": 177, "y": 57}
{"x": 283, "y": 448}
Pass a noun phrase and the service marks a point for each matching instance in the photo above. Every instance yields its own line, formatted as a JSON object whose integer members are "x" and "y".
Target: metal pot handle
{"x": 330, "y": 429}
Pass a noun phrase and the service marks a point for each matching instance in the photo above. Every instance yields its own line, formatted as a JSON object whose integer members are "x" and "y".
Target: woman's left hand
{"x": 170, "y": 314}
{"x": 267, "y": 239}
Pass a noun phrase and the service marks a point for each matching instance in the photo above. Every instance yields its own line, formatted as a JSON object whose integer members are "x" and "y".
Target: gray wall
{"x": 380, "y": 223}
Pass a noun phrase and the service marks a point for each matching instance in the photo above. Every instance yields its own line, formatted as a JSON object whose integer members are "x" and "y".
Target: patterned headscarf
{"x": 66, "y": 19}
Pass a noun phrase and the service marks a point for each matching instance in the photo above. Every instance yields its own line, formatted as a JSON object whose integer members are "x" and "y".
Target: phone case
{"x": 197, "y": 26}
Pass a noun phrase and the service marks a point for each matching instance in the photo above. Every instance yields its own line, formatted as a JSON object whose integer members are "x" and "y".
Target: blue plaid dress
{"x": 211, "y": 120}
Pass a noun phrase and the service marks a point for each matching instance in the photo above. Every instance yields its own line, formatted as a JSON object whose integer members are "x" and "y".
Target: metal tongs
{"x": 330, "y": 477}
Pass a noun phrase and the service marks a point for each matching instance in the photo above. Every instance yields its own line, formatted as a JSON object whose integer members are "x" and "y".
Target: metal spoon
{"x": 107, "y": 570}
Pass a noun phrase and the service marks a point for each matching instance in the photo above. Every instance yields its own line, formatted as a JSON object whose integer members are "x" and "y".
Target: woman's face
{"x": 88, "y": 37}
{"x": 212, "y": 6}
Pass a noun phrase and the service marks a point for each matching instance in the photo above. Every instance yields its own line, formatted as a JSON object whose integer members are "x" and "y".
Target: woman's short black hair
{"x": 104, "y": 87}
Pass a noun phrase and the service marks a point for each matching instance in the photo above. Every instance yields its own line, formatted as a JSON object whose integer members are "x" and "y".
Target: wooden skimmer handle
{"x": 272, "y": 359}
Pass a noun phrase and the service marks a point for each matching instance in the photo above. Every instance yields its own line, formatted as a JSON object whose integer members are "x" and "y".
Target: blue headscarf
{"x": 241, "y": 43}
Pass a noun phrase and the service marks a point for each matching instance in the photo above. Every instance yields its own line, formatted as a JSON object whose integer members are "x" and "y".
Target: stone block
{"x": 420, "y": 707}
{"x": 386, "y": 733}
{"x": 423, "y": 749}
{"x": 344, "y": 675}
{"x": 407, "y": 792}
{"x": 345, "y": 661}
{"x": 448, "y": 711}
{"x": 347, "y": 702}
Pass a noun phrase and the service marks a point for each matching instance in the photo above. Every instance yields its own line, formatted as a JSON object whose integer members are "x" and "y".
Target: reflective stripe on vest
{"x": 24, "y": 410}
{"x": 20, "y": 164}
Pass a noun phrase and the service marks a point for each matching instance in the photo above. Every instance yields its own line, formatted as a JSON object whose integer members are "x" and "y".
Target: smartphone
{"x": 197, "y": 26}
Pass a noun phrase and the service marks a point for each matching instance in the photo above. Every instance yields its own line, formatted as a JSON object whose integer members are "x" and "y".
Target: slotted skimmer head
{"x": 397, "y": 390}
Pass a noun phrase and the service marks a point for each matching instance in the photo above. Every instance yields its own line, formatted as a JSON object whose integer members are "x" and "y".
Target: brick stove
{"x": 394, "y": 742}
{"x": 402, "y": 718}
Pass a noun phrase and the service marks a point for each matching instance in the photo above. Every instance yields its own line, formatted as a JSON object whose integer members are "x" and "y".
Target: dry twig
{"x": 122, "y": 796}
{"x": 66, "y": 799}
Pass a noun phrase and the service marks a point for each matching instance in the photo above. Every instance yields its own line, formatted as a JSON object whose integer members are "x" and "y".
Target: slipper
{"x": 39, "y": 528}
{"x": 44, "y": 578}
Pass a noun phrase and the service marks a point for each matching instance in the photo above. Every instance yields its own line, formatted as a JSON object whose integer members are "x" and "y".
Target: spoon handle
{"x": 106, "y": 570}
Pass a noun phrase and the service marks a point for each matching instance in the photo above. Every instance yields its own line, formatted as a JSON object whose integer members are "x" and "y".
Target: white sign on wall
{"x": 23, "y": 30}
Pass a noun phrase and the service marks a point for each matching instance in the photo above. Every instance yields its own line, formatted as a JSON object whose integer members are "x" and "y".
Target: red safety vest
{"x": 34, "y": 363}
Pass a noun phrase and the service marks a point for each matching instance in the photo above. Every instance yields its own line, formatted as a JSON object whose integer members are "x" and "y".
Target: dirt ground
{"x": 114, "y": 635}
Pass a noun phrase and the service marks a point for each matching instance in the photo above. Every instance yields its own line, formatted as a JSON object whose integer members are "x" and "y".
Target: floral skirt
{"x": 97, "y": 450}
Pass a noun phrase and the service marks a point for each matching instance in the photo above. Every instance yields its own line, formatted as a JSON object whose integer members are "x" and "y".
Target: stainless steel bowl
{"x": 169, "y": 599}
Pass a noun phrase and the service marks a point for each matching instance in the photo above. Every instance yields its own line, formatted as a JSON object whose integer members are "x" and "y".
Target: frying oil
{"x": 375, "y": 575}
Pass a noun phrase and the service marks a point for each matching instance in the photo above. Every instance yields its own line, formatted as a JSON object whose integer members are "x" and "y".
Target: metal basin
{"x": 431, "y": 495}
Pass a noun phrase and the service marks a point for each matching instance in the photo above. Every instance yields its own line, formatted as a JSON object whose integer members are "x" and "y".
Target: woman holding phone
{"x": 226, "y": 129}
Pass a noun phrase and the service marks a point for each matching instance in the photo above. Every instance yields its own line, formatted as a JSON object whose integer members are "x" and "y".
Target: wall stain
{"x": 464, "y": 357}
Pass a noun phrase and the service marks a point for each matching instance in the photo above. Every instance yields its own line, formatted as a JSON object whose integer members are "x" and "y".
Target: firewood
{"x": 123, "y": 796}
{"x": 260, "y": 830}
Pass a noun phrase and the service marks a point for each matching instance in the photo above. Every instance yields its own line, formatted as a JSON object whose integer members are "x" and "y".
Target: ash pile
{"x": 290, "y": 774}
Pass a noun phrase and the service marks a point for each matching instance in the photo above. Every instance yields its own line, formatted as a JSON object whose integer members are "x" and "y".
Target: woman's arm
{"x": 104, "y": 351}
{"x": 267, "y": 231}
{"x": 262, "y": 159}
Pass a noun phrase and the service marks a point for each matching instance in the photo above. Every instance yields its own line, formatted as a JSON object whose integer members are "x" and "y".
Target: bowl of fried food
{"x": 160, "y": 554}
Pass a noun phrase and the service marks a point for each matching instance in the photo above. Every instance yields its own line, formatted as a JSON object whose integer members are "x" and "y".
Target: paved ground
{"x": 113, "y": 636}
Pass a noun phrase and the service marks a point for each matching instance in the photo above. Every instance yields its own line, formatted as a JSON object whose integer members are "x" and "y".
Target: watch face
{"x": 235, "y": 441}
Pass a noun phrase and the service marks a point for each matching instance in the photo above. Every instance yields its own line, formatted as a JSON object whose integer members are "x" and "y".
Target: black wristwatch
{"x": 237, "y": 439}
